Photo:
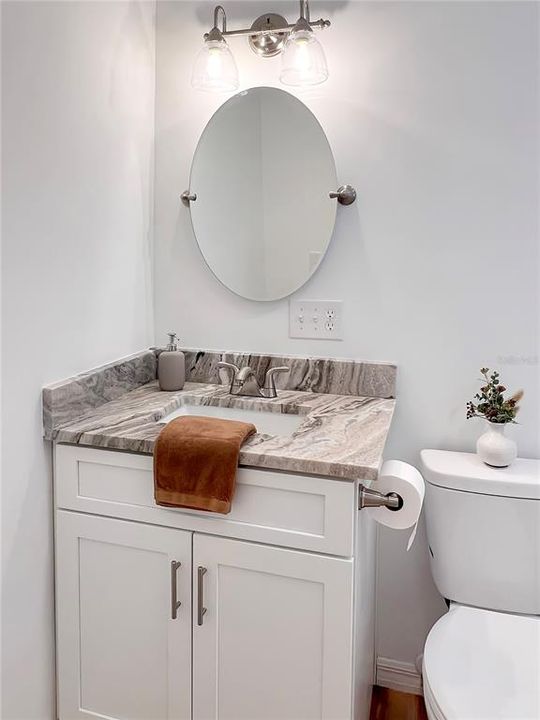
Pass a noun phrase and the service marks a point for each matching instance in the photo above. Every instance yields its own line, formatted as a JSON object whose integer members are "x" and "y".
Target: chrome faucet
{"x": 244, "y": 381}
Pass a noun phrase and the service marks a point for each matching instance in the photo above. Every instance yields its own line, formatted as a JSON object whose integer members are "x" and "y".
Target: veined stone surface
{"x": 346, "y": 407}
{"x": 311, "y": 374}
{"x": 340, "y": 436}
{"x": 69, "y": 399}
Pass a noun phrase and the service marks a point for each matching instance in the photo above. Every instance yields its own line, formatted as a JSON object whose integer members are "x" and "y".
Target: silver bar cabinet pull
{"x": 201, "y": 610}
{"x": 175, "y": 603}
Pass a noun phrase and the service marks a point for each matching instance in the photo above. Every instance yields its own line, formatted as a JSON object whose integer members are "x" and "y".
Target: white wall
{"x": 432, "y": 112}
{"x": 77, "y": 176}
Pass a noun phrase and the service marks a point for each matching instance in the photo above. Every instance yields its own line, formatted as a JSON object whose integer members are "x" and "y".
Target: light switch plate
{"x": 316, "y": 319}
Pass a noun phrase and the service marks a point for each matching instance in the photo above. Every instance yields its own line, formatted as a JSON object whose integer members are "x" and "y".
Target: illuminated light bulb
{"x": 215, "y": 69}
{"x": 303, "y": 61}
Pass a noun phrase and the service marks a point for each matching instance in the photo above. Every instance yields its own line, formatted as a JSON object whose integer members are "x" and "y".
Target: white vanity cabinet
{"x": 263, "y": 614}
{"x": 120, "y": 652}
{"x": 275, "y": 641}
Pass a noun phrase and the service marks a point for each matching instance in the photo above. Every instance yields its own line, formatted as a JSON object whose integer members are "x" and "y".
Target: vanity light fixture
{"x": 215, "y": 68}
{"x": 303, "y": 59}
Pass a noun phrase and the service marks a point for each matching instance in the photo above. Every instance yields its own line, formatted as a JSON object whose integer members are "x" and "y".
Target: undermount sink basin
{"x": 267, "y": 423}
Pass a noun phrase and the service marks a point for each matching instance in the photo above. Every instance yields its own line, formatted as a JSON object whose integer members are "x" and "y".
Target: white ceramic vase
{"x": 494, "y": 448}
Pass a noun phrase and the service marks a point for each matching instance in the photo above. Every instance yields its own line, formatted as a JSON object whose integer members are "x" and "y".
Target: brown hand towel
{"x": 195, "y": 461}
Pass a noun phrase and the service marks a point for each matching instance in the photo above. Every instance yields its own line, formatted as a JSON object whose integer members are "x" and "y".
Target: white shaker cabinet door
{"x": 121, "y": 653}
{"x": 272, "y": 636}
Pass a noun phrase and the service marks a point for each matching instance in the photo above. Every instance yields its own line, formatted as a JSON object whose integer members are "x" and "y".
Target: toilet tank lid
{"x": 466, "y": 472}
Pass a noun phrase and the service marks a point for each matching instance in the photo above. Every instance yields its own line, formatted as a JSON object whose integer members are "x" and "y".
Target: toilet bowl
{"x": 482, "y": 659}
{"x": 482, "y": 665}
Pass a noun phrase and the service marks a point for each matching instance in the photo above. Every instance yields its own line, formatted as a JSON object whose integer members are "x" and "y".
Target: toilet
{"x": 482, "y": 659}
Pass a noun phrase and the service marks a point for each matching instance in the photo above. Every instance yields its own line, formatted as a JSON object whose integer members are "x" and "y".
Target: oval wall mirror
{"x": 261, "y": 174}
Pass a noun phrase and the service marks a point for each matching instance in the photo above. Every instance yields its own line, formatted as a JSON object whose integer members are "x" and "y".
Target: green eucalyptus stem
{"x": 490, "y": 401}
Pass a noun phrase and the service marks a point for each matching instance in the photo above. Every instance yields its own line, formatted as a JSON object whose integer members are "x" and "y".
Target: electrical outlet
{"x": 316, "y": 319}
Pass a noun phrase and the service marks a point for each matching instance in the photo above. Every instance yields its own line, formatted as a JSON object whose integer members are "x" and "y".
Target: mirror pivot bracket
{"x": 188, "y": 197}
{"x": 345, "y": 194}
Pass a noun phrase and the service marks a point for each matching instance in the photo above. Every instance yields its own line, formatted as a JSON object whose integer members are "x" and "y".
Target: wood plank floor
{"x": 392, "y": 705}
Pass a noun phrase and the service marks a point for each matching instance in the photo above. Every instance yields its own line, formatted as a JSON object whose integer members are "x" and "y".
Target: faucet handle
{"x": 225, "y": 366}
{"x": 269, "y": 381}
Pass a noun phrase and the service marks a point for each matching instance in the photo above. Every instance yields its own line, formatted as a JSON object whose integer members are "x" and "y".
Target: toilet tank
{"x": 483, "y": 529}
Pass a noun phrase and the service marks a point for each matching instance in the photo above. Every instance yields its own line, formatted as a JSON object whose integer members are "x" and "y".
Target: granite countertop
{"x": 340, "y": 435}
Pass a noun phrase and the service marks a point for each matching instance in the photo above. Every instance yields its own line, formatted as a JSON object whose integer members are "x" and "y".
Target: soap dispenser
{"x": 171, "y": 366}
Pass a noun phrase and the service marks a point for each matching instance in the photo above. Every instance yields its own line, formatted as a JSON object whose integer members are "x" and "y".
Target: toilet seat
{"x": 483, "y": 665}
{"x": 434, "y": 712}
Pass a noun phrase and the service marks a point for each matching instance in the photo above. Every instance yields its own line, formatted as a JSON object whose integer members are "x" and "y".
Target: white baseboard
{"x": 398, "y": 675}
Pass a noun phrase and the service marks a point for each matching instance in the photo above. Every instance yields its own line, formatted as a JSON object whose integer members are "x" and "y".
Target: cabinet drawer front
{"x": 271, "y": 507}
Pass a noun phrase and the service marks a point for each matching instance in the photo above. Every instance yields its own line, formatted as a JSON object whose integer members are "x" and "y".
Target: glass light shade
{"x": 303, "y": 61}
{"x": 215, "y": 69}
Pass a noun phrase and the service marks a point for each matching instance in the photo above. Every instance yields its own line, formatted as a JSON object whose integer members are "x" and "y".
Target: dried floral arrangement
{"x": 491, "y": 403}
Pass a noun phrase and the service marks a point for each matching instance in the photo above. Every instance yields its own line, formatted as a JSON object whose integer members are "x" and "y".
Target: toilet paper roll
{"x": 405, "y": 480}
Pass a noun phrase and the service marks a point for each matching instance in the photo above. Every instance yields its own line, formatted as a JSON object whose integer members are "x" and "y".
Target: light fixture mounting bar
{"x": 317, "y": 24}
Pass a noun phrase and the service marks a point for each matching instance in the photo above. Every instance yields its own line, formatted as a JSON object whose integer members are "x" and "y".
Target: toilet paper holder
{"x": 373, "y": 498}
